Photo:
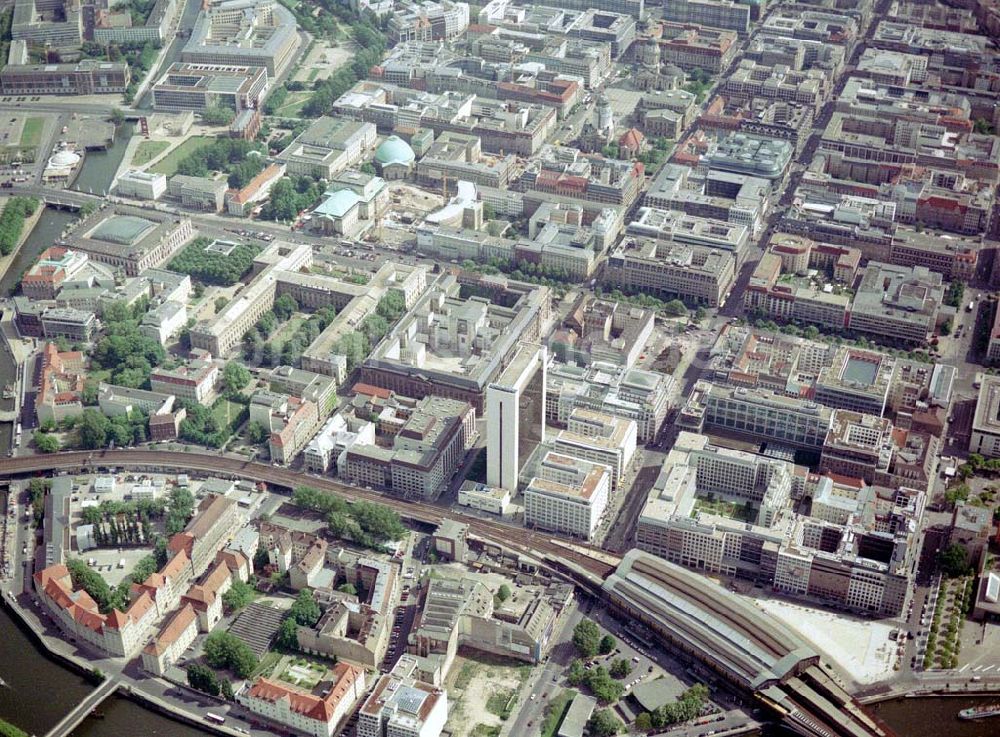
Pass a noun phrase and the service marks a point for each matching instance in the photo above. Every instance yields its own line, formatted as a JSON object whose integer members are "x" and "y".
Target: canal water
{"x": 99, "y": 167}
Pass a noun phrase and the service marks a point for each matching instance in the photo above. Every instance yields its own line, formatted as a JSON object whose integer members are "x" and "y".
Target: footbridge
{"x": 94, "y": 699}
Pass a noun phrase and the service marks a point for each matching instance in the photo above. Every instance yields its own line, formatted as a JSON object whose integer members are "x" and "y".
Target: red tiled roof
{"x": 307, "y": 704}
{"x": 371, "y": 391}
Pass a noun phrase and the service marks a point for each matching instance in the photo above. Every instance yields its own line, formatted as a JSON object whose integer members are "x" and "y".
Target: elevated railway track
{"x": 710, "y": 624}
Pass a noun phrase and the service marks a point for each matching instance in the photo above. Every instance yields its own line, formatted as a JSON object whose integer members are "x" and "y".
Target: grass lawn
{"x": 31, "y": 133}
{"x": 485, "y": 730}
{"x": 555, "y": 712}
{"x": 168, "y": 164}
{"x": 267, "y": 664}
{"x": 303, "y": 673}
{"x": 286, "y": 331}
{"x": 149, "y": 150}
{"x": 312, "y": 74}
{"x": 293, "y": 104}
{"x": 501, "y": 703}
{"x": 225, "y": 411}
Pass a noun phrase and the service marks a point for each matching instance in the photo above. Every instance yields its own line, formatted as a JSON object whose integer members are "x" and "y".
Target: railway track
{"x": 504, "y": 535}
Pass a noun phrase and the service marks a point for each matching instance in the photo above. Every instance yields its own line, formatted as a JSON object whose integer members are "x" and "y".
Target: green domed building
{"x": 394, "y": 158}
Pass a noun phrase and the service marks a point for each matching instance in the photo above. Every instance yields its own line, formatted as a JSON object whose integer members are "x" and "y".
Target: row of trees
{"x": 16, "y": 211}
{"x": 366, "y": 523}
{"x": 371, "y": 45}
{"x": 212, "y": 267}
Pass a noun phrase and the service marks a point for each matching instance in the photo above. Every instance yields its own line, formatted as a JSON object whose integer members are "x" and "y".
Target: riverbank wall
{"x": 29, "y": 225}
{"x": 29, "y": 623}
{"x": 963, "y": 689}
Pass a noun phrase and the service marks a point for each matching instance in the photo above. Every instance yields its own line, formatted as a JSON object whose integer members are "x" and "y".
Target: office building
{"x": 723, "y": 14}
{"x": 248, "y": 33}
{"x": 629, "y": 393}
{"x": 198, "y": 87}
{"x": 328, "y": 146}
{"x": 568, "y": 496}
{"x": 985, "y": 439}
{"x": 503, "y": 415}
{"x": 196, "y": 381}
{"x": 141, "y": 185}
{"x": 758, "y": 413}
{"x": 453, "y": 347}
{"x": 671, "y": 270}
{"x": 401, "y": 706}
{"x": 599, "y": 438}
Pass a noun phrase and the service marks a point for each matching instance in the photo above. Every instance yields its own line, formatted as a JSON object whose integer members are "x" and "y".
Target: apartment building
{"x": 118, "y": 633}
{"x": 173, "y": 639}
{"x": 196, "y": 381}
{"x": 317, "y": 712}
{"x": 216, "y": 521}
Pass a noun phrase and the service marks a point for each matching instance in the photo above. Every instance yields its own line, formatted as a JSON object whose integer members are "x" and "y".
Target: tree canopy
{"x": 305, "y": 610}
{"x": 235, "y": 376}
{"x": 214, "y": 267}
{"x": 226, "y": 650}
{"x": 603, "y": 723}
{"x": 587, "y": 638}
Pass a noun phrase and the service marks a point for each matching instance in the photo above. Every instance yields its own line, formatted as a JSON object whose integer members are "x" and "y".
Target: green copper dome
{"x": 394, "y": 150}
